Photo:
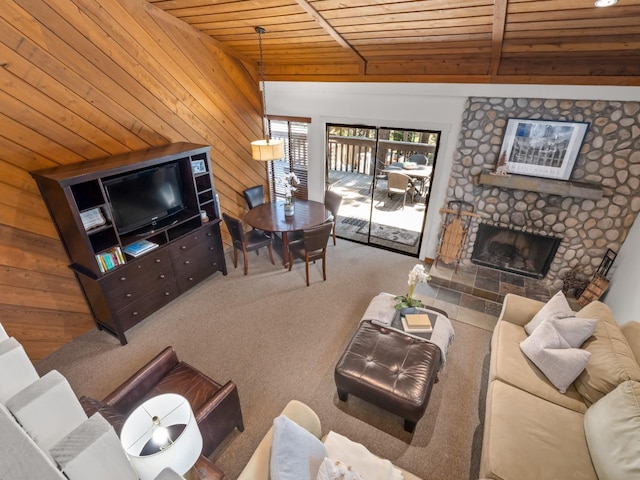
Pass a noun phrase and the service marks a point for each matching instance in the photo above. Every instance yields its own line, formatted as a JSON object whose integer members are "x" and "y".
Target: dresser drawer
{"x": 206, "y": 235}
{"x": 137, "y": 277}
{"x": 136, "y": 311}
{"x": 191, "y": 275}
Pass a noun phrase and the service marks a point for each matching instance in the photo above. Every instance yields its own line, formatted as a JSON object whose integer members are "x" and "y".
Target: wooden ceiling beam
{"x": 306, "y": 6}
{"x": 497, "y": 37}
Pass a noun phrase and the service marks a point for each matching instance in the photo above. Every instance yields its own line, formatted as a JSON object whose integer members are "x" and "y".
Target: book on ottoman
{"x": 417, "y": 322}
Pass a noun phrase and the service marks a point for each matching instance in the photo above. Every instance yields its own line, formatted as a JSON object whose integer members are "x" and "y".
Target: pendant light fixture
{"x": 267, "y": 149}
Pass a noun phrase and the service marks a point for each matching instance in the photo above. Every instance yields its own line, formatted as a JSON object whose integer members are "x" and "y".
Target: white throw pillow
{"x": 368, "y": 465}
{"x": 612, "y": 429}
{"x": 556, "y": 307}
{"x": 296, "y": 454}
{"x": 574, "y": 330}
{"x": 553, "y": 355}
{"x": 336, "y": 470}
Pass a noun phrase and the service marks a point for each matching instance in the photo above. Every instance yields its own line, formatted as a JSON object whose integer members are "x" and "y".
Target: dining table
{"x": 270, "y": 217}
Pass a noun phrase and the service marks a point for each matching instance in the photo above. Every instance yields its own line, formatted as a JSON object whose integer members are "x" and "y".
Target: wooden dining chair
{"x": 332, "y": 201}
{"x": 246, "y": 241}
{"x": 311, "y": 247}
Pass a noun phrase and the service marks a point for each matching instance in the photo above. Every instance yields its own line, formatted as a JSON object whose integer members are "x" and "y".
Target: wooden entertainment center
{"x": 122, "y": 289}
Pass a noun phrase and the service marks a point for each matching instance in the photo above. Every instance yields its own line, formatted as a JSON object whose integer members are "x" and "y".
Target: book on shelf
{"x": 110, "y": 259}
{"x": 92, "y": 218}
{"x": 138, "y": 248}
{"x": 417, "y": 323}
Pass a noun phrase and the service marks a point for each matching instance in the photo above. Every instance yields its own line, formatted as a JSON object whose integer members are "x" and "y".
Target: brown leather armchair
{"x": 216, "y": 407}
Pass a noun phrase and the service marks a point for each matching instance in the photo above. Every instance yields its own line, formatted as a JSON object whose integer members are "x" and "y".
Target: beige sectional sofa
{"x": 592, "y": 431}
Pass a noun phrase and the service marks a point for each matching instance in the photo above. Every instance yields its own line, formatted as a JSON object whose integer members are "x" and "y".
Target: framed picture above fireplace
{"x": 542, "y": 148}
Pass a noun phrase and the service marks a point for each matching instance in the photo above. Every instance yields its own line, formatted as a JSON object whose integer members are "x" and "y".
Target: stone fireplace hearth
{"x": 609, "y": 159}
{"x": 513, "y": 251}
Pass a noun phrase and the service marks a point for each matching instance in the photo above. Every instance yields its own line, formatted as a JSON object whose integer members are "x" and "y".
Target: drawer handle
{"x": 187, "y": 262}
{"x": 166, "y": 294}
{"x": 122, "y": 279}
{"x": 190, "y": 279}
{"x": 210, "y": 248}
{"x": 183, "y": 247}
{"x": 209, "y": 234}
{"x": 135, "y": 314}
{"x": 157, "y": 260}
{"x": 128, "y": 295}
{"x": 162, "y": 275}
{"x": 195, "y": 238}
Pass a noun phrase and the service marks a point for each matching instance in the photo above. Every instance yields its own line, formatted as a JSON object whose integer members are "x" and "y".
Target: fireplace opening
{"x": 511, "y": 251}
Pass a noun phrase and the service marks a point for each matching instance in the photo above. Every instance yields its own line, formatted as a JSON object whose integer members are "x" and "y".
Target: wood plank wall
{"x": 83, "y": 79}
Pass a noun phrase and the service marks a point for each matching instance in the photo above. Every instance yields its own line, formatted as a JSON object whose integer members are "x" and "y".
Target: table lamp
{"x": 161, "y": 433}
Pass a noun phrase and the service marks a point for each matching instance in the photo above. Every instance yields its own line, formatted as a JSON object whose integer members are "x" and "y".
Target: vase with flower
{"x": 289, "y": 181}
{"x": 407, "y": 303}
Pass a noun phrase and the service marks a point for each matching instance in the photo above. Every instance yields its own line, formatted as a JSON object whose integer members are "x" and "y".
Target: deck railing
{"x": 357, "y": 154}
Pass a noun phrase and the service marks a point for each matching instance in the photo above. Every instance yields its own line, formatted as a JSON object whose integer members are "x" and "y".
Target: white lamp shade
{"x": 266, "y": 150}
{"x": 137, "y": 432}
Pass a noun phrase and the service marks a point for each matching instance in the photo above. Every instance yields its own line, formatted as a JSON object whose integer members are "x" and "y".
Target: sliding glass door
{"x": 384, "y": 176}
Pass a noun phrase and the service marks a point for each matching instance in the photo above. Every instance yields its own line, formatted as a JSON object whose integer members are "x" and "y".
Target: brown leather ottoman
{"x": 390, "y": 370}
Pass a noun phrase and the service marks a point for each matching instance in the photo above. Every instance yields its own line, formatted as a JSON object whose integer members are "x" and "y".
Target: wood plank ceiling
{"x": 501, "y": 41}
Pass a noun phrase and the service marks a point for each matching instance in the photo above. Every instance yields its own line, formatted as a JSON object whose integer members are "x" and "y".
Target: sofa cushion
{"x": 631, "y": 331}
{"x": 612, "y": 360}
{"x": 20, "y": 457}
{"x": 296, "y": 454}
{"x": 528, "y": 438}
{"x": 47, "y": 409}
{"x": 336, "y": 470}
{"x": 370, "y": 466}
{"x": 612, "y": 428}
{"x": 574, "y": 330}
{"x": 553, "y": 355}
{"x": 16, "y": 369}
{"x": 93, "y": 450}
{"x": 556, "y": 307}
{"x": 511, "y": 366}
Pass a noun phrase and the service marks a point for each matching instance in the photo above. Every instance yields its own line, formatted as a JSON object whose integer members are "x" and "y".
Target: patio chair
{"x": 246, "y": 241}
{"x": 311, "y": 247}
{"x": 400, "y": 184}
{"x": 332, "y": 201}
{"x": 418, "y": 159}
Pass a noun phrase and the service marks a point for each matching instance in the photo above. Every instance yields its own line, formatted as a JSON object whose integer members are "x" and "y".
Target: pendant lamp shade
{"x": 267, "y": 149}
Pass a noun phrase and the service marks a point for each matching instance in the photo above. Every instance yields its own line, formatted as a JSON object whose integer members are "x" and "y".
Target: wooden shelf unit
{"x": 189, "y": 250}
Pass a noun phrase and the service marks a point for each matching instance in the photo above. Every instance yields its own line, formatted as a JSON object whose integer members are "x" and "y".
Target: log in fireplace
{"x": 514, "y": 251}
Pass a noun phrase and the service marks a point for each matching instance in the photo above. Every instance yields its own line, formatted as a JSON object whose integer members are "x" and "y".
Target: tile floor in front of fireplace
{"x": 474, "y": 294}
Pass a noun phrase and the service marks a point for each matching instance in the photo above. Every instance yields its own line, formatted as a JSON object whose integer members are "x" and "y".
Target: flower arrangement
{"x": 417, "y": 274}
{"x": 290, "y": 182}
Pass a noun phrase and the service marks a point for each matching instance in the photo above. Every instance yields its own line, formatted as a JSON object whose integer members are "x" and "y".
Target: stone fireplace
{"x": 584, "y": 227}
{"x": 514, "y": 251}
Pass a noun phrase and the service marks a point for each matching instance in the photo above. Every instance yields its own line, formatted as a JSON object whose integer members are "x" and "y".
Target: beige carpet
{"x": 278, "y": 339}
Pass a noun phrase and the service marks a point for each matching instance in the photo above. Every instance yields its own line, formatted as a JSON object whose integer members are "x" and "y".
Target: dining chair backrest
{"x": 236, "y": 231}
{"x": 418, "y": 158}
{"x": 316, "y": 239}
{"x": 254, "y": 196}
{"x": 332, "y": 201}
{"x": 398, "y": 182}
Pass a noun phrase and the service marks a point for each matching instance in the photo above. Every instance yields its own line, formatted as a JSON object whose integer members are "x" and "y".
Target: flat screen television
{"x": 145, "y": 198}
